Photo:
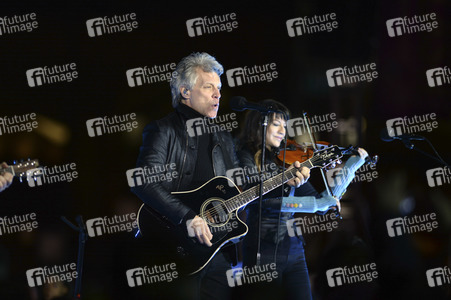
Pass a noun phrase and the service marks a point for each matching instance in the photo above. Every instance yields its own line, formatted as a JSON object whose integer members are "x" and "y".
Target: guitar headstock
{"x": 325, "y": 157}
{"x": 20, "y": 169}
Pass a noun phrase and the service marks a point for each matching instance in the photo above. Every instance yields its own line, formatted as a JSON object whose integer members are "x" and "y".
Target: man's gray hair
{"x": 185, "y": 74}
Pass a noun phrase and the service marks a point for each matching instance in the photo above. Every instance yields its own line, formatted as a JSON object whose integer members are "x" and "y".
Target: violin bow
{"x": 312, "y": 139}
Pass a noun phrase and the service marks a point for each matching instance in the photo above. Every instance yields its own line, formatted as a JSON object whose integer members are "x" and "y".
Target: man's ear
{"x": 184, "y": 92}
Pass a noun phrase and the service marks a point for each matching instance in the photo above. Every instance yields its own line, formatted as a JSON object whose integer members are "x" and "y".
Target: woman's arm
{"x": 306, "y": 202}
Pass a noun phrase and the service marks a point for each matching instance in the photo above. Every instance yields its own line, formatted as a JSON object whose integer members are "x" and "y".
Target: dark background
{"x": 261, "y": 37}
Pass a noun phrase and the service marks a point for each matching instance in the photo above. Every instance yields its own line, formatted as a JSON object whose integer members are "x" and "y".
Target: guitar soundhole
{"x": 215, "y": 213}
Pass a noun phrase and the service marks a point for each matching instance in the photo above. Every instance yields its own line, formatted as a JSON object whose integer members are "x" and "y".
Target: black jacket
{"x": 167, "y": 141}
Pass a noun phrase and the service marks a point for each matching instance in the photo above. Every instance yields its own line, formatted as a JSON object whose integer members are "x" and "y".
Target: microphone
{"x": 240, "y": 103}
{"x": 405, "y": 138}
{"x": 388, "y": 138}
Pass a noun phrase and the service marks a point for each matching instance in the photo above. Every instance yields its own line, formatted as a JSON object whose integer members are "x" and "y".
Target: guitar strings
{"x": 210, "y": 211}
{"x": 252, "y": 190}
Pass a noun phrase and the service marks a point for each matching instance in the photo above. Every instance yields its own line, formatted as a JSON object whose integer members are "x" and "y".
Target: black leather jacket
{"x": 167, "y": 141}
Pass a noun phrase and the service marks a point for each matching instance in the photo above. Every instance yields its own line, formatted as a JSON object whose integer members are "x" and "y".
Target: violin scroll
{"x": 371, "y": 160}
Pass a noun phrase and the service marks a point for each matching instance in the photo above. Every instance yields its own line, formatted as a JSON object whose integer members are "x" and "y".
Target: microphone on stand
{"x": 405, "y": 138}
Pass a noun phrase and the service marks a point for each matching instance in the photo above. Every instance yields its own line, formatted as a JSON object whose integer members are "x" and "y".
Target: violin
{"x": 297, "y": 152}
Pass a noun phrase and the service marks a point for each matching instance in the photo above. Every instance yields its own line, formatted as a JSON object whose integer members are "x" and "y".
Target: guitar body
{"x": 207, "y": 201}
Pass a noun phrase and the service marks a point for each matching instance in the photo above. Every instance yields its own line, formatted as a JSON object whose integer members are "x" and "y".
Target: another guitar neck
{"x": 20, "y": 169}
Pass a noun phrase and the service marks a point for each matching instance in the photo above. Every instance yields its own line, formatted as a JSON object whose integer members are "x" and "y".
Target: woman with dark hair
{"x": 276, "y": 244}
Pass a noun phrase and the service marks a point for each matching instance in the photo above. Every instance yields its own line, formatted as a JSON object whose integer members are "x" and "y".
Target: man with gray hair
{"x": 195, "y": 89}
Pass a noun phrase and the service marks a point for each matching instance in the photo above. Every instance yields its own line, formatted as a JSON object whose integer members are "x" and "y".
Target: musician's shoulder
{"x": 226, "y": 135}
{"x": 163, "y": 123}
{"x": 243, "y": 150}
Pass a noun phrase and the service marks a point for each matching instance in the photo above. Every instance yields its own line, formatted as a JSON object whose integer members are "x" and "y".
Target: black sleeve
{"x": 306, "y": 189}
{"x": 152, "y": 153}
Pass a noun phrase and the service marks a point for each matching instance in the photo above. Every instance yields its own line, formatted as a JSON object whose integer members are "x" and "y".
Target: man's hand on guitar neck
{"x": 201, "y": 231}
{"x": 5, "y": 179}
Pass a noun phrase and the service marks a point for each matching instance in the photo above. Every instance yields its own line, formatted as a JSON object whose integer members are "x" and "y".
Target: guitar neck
{"x": 253, "y": 193}
{"x": 20, "y": 169}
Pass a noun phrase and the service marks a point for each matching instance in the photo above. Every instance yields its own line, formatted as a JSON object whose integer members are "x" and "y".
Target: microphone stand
{"x": 264, "y": 125}
{"x": 82, "y": 237}
{"x": 409, "y": 145}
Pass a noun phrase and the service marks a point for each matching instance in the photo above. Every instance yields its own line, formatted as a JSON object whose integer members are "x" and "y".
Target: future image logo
{"x": 51, "y": 275}
{"x": 49, "y": 75}
{"x": 438, "y": 176}
{"x": 309, "y": 225}
{"x": 411, "y": 125}
{"x": 46, "y": 175}
{"x": 351, "y": 75}
{"x": 18, "y": 123}
{"x": 157, "y": 173}
{"x": 339, "y": 176}
{"x": 18, "y": 23}
{"x": 147, "y": 75}
{"x": 408, "y": 225}
{"x": 408, "y": 25}
{"x": 18, "y": 223}
{"x": 310, "y": 25}
{"x": 205, "y": 125}
{"x": 348, "y": 275}
{"x": 317, "y": 123}
{"x": 438, "y": 76}
{"x": 108, "y": 125}
{"x": 249, "y": 175}
{"x": 249, "y": 275}
{"x": 249, "y": 75}
{"x": 209, "y": 25}
{"x": 109, "y": 25}
{"x": 438, "y": 276}
{"x": 148, "y": 275}
{"x": 220, "y": 223}
{"x": 109, "y": 225}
